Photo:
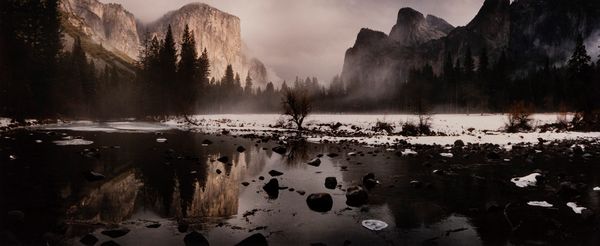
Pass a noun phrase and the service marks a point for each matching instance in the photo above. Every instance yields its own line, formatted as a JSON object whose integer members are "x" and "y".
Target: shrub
{"x": 519, "y": 117}
{"x": 297, "y": 105}
{"x": 383, "y": 126}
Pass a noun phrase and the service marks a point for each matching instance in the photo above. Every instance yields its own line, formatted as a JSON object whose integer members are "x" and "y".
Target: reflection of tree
{"x": 298, "y": 152}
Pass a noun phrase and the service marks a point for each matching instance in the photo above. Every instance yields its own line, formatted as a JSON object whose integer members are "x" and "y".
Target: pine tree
{"x": 203, "y": 71}
{"x": 187, "y": 70}
{"x": 248, "y": 86}
{"x": 168, "y": 70}
{"x": 579, "y": 71}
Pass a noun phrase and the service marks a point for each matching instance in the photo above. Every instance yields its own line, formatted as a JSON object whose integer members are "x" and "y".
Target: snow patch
{"x": 540, "y": 204}
{"x": 76, "y": 141}
{"x": 447, "y": 155}
{"x": 575, "y": 208}
{"x": 529, "y": 180}
{"x": 409, "y": 152}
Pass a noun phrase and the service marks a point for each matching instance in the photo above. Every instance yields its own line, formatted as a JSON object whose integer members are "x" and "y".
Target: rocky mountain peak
{"x": 439, "y": 23}
{"x": 368, "y": 37}
{"x": 412, "y": 28}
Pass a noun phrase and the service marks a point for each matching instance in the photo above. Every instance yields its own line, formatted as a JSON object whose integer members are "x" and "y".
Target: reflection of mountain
{"x": 111, "y": 202}
{"x": 176, "y": 189}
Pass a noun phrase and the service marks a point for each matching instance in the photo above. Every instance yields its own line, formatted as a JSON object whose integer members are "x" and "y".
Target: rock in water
{"x": 369, "y": 181}
{"x": 254, "y": 240}
{"x": 275, "y": 173}
{"x": 315, "y": 162}
{"x": 280, "y": 150}
{"x": 356, "y": 196}
{"x": 459, "y": 143}
{"x": 206, "y": 142}
{"x": 195, "y": 239}
{"x": 223, "y": 159}
{"x": 114, "y": 233}
{"x": 93, "y": 176}
{"x": 272, "y": 188}
{"x": 320, "y": 202}
{"x": 110, "y": 243}
{"x": 330, "y": 182}
{"x": 88, "y": 239}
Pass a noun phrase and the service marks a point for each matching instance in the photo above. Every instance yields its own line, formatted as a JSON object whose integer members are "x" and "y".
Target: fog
{"x": 309, "y": 37}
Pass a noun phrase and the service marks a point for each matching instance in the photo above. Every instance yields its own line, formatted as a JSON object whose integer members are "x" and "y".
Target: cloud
{"x": 309, "y": 37}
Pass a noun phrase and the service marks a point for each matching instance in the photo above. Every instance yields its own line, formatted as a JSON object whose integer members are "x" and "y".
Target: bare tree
{"x": 297, "y": 105}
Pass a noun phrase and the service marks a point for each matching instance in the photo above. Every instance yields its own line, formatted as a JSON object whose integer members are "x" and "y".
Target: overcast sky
{"x": 309, "y": 37}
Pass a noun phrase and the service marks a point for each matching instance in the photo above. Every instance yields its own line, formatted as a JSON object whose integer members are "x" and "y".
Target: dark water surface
{"x": 180, "y": 182}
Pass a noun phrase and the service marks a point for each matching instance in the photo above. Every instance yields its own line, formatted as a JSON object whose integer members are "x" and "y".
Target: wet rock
{"x": 319, "y": 155}
{"x": 275, "y": 173}
{"x": 88, "y": 239}
{"x": 369, "y": 181}
{"x": 206, "y": 142}
{"x": 492, "y": 206}
{"x": 114, "y": 233}
{"x": 438, "y": 172}
{"x": 280, "y": 150}
{"x": 223, "y": 159}
{"x": 332, "y": 155}
{"x": 245, "y": 183}
{"x": 459, "y": 143}
{"x": 255, "y": 240}
{"x": 241, "y": 149}
{"x": 195, "y": 239}
{"x": 15, "y": 217}
{"x": 416, "y": 184}
{"x": 301, "y": 192}
{"x": 315, "y": 162}
{"x": 356, "y": 196}
{"x": 183, "y": 226}
{"x": 110, "y": 243}
{"x": 568, "y": 189}
{"x": 493, "y": 156}
{"x": 218, "y": 171}
{"x": 261, "y": 178}
{"x": 320, "y": 202}
{"x": 153, "y": 225}
{"x": 93, "y": 176}
{"x": 330, "y": 182}
{"x": 272, "y": 188}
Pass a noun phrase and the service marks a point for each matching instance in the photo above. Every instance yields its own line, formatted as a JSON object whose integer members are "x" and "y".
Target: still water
{"x": 154, "y": 186}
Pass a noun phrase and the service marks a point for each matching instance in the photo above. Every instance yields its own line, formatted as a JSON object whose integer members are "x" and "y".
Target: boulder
{"x": 272, "y": 188}
{"x": 280, "y": 150}
{"x": 195, "y": 239}
{"x": 223, "y": 159}
{"x": 118, "y": 232}
{"x": 356, "y": 196}
{"x": 275, "y": 173}
{"x": 320, "y": 202}
{"x": 330, "y": 182}
{"x": 254, "y": 240}
{"x": 88, "y": 239}
{"x": 369, "y": 181}
{"x": 241, "y": 149}
{"x": 315, "y": 162}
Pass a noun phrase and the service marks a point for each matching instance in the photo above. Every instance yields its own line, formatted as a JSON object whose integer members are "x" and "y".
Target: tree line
{"x": 40, "y": 79}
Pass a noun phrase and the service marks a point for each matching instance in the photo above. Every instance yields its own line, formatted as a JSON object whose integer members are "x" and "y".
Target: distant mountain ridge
{"x": 115, "y": 33}
{"x": 529, "y": 31}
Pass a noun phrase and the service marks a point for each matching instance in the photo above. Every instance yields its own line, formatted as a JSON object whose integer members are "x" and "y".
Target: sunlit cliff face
{"x": 309, "y": 38}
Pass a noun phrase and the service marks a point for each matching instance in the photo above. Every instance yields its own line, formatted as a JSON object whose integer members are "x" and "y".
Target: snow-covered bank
{"x": 474, "y": 128}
